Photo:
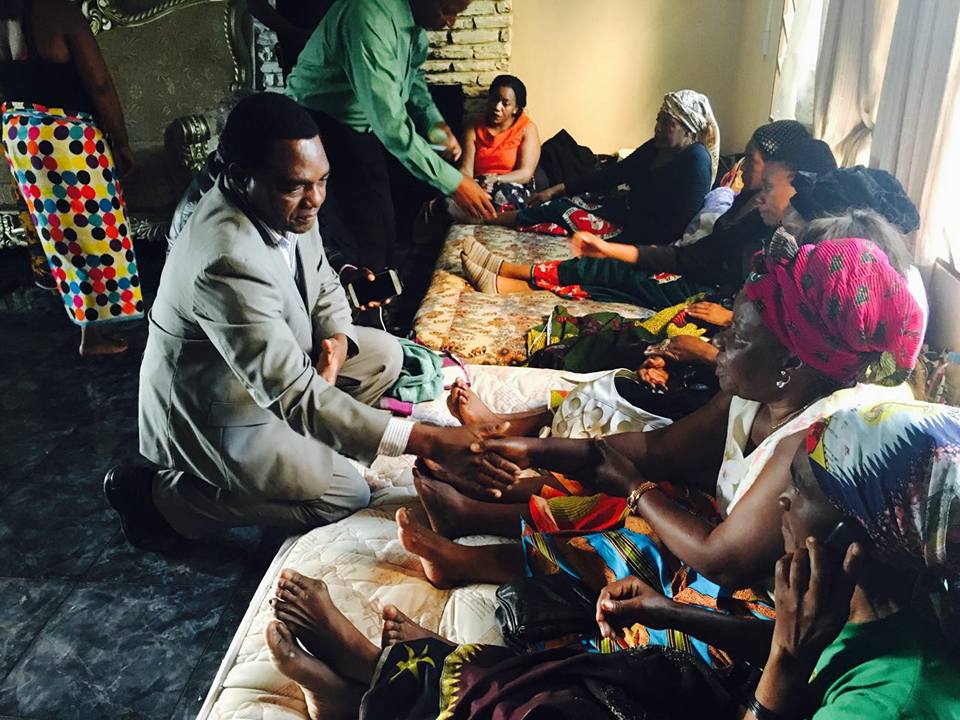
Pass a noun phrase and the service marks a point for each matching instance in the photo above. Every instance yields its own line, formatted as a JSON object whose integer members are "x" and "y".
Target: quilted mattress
{"x": 492, "y": 329}
{"x": 365, "y": 568}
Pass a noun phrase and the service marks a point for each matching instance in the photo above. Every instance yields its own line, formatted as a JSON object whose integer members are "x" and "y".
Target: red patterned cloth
{"x": 842, "y": 309}
{"x": 546, "y": 277}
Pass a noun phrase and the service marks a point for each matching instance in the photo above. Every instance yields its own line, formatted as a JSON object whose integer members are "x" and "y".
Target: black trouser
{"x": 373, "y": 197}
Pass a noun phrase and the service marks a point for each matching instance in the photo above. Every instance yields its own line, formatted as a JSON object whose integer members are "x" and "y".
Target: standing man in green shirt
{"x": 360, "y": 76}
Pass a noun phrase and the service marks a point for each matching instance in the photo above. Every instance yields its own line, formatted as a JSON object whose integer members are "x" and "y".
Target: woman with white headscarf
{"x": 668, "y": 176}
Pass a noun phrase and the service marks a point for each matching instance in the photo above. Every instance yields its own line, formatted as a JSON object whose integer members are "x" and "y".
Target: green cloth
{"x": 421, "y": 378}
{"x": 897, "y": 667}
{"x": 362, "y": 67}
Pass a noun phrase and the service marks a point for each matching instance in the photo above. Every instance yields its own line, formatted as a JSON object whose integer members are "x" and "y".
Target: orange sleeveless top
{"x": 497, "y": 154}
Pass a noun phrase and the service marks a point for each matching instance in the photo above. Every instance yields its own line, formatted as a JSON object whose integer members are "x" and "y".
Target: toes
{"x": 391, "y": 613}
{"x": 403, "y": 518}
{"x": 286, "y": 593}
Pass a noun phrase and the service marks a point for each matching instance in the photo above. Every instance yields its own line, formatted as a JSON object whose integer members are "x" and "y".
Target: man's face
{"x": 437, "y": 14}
{"x": 288, "y": 191}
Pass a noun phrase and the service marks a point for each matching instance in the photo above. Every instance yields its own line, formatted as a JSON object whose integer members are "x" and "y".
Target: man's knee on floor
{"x": 377, "y": 365}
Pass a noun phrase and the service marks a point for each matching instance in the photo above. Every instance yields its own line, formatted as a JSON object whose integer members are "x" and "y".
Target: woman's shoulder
{"x": 696, "y": 154}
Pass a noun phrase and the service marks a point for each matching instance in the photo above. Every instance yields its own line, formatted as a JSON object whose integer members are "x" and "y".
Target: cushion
{"x": 492, "y": 329}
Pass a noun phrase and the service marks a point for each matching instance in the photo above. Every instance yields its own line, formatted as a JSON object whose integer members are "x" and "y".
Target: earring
{"x": 784, "y": 379}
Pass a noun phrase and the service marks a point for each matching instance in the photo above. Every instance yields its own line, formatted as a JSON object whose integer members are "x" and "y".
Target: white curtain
{"x": 850, "y": 71}
{"x": 917, "y": 131}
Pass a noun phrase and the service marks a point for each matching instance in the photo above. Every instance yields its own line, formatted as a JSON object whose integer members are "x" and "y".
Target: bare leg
{"x": 515, "y": 271}
{"x": 467, "y": 407}
{"x": 452, "y": 514}
{"x": 329, "y": 696}
{"x": 448, "y": 565}
{"x": 95, "y": 341}
{"x": 304, "y": 605}
{"x": 397, "y": 628}
{"x": 506, "y": 219}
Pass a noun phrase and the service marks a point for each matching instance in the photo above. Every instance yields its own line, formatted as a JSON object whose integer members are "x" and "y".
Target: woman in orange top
{"x": 502, "y": 149}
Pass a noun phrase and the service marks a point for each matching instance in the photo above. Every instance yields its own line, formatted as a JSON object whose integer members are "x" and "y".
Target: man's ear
{"x": 237, "y": 175}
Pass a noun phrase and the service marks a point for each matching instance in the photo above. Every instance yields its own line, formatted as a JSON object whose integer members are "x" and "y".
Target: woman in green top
{"x": 886, "y": 478}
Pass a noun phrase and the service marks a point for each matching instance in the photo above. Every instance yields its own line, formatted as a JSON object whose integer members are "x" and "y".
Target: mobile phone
{"x": 385, "y": 285}
{"x": 844, "y": 534}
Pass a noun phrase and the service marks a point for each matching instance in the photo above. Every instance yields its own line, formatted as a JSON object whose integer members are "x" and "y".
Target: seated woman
{"x": 647, "y": 276}
{"x": 502, "y": 149}
{"x": 668, "y": 175}
{"x": 805, "y": 341}
{"x": 859, "y": 649}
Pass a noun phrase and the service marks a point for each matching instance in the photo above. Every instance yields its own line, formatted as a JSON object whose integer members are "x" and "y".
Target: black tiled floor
{"x": 90, "y": 628}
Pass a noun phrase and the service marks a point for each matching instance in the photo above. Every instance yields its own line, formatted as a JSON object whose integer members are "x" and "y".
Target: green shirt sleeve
{"x": 375, "y": 74}
{"x": 421, "y": 106}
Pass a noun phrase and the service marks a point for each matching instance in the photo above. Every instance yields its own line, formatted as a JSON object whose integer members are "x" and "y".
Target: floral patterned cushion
{"x": 491, "y": 329}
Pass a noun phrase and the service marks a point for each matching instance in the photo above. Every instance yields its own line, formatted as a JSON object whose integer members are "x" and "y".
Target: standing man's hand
{"x": 441, "y": 134}
{"x": 333, "y": 353}
{"x": 474, "y": 199}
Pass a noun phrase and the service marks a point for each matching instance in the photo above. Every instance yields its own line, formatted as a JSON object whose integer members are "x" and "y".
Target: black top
{"x": 663, "y": 199}
{"x": 722, "y": 257}
{"x": 42, "y": 82}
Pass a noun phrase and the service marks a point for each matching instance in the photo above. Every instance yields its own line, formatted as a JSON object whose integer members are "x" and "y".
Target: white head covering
{"x": 693, "y": 110}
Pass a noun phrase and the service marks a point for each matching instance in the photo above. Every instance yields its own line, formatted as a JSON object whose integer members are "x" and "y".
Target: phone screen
{"x": 380, "y": 288}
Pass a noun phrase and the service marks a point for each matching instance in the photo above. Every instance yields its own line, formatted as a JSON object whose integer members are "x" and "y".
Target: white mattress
{"x": 365, "y": 569}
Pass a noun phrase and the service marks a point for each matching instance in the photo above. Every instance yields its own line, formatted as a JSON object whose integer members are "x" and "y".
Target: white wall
{"x": 599, "y": 68}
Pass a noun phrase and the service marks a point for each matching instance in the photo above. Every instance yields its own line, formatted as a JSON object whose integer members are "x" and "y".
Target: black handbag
{"x": 536, "y": 609}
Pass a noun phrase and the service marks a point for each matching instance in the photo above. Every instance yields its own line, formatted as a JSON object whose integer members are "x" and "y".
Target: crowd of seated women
{"x": 790, "y": 549}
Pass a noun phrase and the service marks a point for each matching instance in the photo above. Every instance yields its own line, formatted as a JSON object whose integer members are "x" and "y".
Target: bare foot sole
{"x": 327, "y": 694}
{"x": 304, "y": 605}
{"x": 467, "y": 407}
{"x": 397, "y": 628}
{"x": 437, "y": 554}
{"x": 443, "y": 506}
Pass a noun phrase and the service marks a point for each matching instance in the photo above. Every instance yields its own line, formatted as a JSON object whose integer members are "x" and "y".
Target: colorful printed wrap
{"x": 895, "y": 468}
{"x": 64, "y": 169}
{"x": 842, "y": 308}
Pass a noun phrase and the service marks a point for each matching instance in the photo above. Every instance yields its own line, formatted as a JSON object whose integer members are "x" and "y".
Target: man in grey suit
{"x": 255, "y": 385}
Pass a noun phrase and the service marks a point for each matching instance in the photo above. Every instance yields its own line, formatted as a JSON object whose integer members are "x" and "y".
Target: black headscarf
{"x": 836, "y": 192}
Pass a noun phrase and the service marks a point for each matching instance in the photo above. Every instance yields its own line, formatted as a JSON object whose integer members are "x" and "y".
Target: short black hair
{"x": 515, "y": 84}
{"x": 257, "y": 122}
{"x": 808, "y": 155}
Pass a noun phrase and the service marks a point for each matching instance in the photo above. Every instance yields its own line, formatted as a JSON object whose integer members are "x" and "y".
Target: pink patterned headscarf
{"x": 842, "y": 309}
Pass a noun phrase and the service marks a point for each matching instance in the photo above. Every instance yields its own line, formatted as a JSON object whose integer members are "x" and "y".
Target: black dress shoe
{"x": 129, "y": 490}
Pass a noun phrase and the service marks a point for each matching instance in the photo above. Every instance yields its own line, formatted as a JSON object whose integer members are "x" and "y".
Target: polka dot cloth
{"x": 64, "y": 169}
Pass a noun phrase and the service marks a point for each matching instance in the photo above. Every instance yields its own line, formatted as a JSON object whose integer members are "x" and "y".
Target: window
{"x": 800, "y": 30}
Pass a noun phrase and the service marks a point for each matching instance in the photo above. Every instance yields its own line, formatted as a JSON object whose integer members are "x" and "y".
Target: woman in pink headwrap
{"x": 818, "y": 329}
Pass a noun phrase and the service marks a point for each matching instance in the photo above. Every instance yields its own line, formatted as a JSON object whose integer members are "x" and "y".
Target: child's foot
{"x": 479, "y": 254}
{"x": 440, "y": 557}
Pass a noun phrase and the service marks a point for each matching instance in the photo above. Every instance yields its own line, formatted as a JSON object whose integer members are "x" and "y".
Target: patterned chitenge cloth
{"x": 433, "y": 680}
{"x": 64, "y": 170}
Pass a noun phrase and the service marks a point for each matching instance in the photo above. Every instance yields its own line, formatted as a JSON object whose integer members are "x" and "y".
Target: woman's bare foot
{"x": 441, "y": 559}
{"x": 397, "y": 628}
{"x": 467, "y": 407}
{"x": 444, "y": 507}
{"x": 96, "y": 342}
{"x": 304, "y": 605}
{"x": 328, "y": 695}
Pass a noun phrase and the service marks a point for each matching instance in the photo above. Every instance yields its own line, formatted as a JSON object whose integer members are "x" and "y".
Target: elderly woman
{"x": 648, "y": 275}
{"x": 871, "y": 516}
{"x": 818, "y": 321}
{"x": 668, "y": 175}
{"x": 502, "y": 148}
{"x": 63, "y": 129}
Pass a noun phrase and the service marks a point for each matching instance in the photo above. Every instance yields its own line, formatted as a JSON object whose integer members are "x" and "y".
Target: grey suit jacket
{"x": 232, "y": 342}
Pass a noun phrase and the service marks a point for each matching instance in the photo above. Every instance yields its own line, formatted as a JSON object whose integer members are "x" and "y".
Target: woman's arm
{"x": 527, "y": 158}
{"x": 86, "y": 56}
{"x": 469, "y": 151}
{"x": 631, "y": 600}
{"x": 680, "y": 451}
{"x": 741, "y": 549}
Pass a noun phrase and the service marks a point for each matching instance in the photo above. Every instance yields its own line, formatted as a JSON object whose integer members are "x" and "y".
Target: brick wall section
{"x": 474, "y": 51}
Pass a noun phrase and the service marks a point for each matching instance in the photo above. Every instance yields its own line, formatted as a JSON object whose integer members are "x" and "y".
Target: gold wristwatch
{"x": 634, "y": 497}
